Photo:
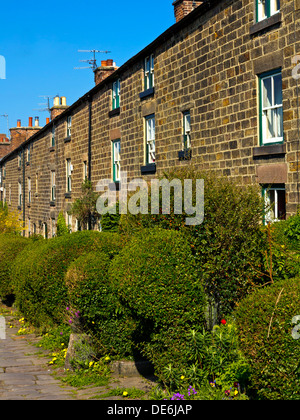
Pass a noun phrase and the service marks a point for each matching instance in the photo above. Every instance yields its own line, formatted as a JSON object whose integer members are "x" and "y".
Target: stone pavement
{"x": 25, "y": 374}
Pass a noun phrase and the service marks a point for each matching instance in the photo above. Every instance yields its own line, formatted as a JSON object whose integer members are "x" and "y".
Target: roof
{"x": 172, "y": 30}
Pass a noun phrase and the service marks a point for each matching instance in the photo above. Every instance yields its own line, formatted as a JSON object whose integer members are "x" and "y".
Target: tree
{"x": 84, "y": 208}
{"x": 10, "y": 220}
{"x": 61, "y": 226}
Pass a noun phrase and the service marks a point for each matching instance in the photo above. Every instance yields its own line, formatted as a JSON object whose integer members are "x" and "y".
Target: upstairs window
{"x": 186, "y": 130}
{"x": 149, "y": 72}
{"x": 116, "y": 94}
{"x": 150, "y": 139}
{"x": 19, "y": 194}
{"x": 266, "y": 8}
{"x": 271, "y": 110}
{"x": 29, "y": 190}
{"x": 69, "y": 125}
{"x": 53, "y": 137}
{"x": 69, "y": 175}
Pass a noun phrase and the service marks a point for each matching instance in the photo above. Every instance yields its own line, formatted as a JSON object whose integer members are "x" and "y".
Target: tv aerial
{"x": 92, "y": 62}
{"x": 46, "y": 104}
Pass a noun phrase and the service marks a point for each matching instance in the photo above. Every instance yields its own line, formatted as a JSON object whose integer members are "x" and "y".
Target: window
{"x": 19, "y": 159}
{"x": 149, "y": 72}
{"x": 69, "y": 175}
{"x": 271, "y": 111}
{"x": 53, "y": 137}
{"x": 150, "y": 139}
{"x": 69, "y": 126}
{"x": 4, "y": 193}
{"x": 186, "y": 130}
{"x": 53, "y": 186}
{"x": 53, "y": 228}
{"x": 29, "y": 227}
{"x": 28, "y": 154}
{"x": 116, "y": 94}
{"x": 29, "y": 190}
{"x": 36, "y": 184}
{"x": 275, "y": 203}
{"x": 85, "y": 170}
{"x": 69, "y": 222}
{"x": 19, "y": 194}
{"x": 116, "y": 150}
{"x": 266, "y": 8}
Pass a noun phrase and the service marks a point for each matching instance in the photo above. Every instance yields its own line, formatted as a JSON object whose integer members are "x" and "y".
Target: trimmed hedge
{"x": 265, "y": 333}
{"x": 41, "y": 293}
{"x": 90, "y": 291}
{"x": 156, "y": 279}
{"x": 10, "y": 246}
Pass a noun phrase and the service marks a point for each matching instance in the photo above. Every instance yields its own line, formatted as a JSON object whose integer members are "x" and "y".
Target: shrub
{"x": 264, "y": 321}
{"x": 10, "y": 221}
{"x": 10, "y": 247}
{"x": 228, "y": 245}
{"x": 61, "y": 226}
{"x": 157, "y": 281}
{"x": 41, "y": 293}
{"x": 91, "y": 292}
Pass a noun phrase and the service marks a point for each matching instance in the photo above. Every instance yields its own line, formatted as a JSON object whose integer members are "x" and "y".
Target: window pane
{"x": 277, "y": 89}
{"x": 267, "y": 92}
{"x": 281, "y": 210}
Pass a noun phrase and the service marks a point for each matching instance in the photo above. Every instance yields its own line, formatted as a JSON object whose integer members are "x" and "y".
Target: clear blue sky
{"x": 39, "y": 41}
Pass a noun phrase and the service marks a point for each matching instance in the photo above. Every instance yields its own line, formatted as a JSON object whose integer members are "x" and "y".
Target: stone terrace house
{"x": 219, "y": 89}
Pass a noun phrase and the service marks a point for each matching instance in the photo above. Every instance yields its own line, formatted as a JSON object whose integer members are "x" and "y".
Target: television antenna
{"x": 92, "y": 62}
{"x": 46, "y": 104}
{"x": 6, "y": 116}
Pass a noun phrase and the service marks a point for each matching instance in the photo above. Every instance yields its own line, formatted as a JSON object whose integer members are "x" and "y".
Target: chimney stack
{"x": 107, "y": 68}
{"x": 183, "y": 7}
{"x": 59, "y": 105}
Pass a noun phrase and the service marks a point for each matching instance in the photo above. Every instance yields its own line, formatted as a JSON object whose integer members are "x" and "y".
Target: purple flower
{"x": 191, "y": 390}
{"x": 61, "y": 333}
{"x": 67, "y": 308}
{"x": 177, "y": 396}
{"x": 70, "y": 321}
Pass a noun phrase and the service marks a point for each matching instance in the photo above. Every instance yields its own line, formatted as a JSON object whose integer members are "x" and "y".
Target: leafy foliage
{"x": 264, "y": 321}
{"x": 9, "y": 220}
{"x": 61, "y": 226}
{"x": 84, "y": 208}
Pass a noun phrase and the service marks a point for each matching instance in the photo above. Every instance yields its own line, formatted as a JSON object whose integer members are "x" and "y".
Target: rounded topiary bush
{"x": 270, "y": 339}
{"x": 10, "y": 247}
{"x": 101, "y": 316}
{"x": 41, "y": 293}
{"x": 156, "y": 279}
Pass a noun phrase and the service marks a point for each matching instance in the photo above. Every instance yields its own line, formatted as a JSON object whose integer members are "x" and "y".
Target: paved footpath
{"x": 24, "y": 375}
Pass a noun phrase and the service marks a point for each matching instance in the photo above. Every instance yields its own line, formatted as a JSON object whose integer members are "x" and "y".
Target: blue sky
{"x": 40, "y": 43}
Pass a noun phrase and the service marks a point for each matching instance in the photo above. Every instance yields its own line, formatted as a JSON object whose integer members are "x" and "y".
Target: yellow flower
{"x": 236, "y": 392}
{"x": 107, "y": 359}
{"x": 182, "y": 377}
{"x": 125, "y": 394}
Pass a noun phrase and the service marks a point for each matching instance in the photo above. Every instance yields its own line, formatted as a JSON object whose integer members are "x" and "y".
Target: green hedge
{"x": 265, "y": 332}
{"x": 41, "y": 293}
{"x": 156, "y": 279}
{"x": 101, "y": 316}
{"x": 10, "y": 246}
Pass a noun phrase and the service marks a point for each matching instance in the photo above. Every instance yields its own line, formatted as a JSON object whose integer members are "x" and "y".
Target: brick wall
{"x": 209, "y": 66}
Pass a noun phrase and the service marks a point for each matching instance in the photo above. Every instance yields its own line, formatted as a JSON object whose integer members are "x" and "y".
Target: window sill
{"x": 68, "y": 195}
{"x": 266, "y": 24}
{"x": 29, "y": 205}
{"x": 51, "y": 149}
{"x": 114, "y": 112}
{"x": 185, "y": 154}
{"x": 147, "y": 93}
{"x": 52, "y": 203}
{"x": 271, "y": 150}
{"x": 27, "y": 163}
{"x": 67, "y": 139}
{"x": 150, "y": 168}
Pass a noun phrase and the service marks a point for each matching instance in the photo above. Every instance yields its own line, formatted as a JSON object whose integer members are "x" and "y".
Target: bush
{"x": 228, "y": 246}
{"x": 10, "y": 221}
{"x": 156, "y": 279}
{"x": 91, "y": 293}
{"x": 10, "y": 246}
{"x": 41, "y": 293}
{"x": 264, "y": 321}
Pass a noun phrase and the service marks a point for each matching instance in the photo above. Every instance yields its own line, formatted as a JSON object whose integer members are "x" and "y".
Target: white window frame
{"x": 116, "y": 149}
{"x": 266, "y": 9}
{"x": 29, "y": 189}
{"x": 276, "y": 111}
{"x": 53, "y": 137}
{"x": 69, "y": 175}
{"x": 272, "y": 214}
{"x": 149, "y": 72}
{"x": 20, "y": 198}
{"x": 186, "y": 130}
{"x": 150, "y": 139}
{"x": 69, "y": 125}
{"x": 116, "y": 94}
{"x": 53, "y": 186}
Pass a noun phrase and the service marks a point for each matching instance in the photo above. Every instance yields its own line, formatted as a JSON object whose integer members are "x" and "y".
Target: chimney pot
{"x": 109, "y": 63}
{"x": 30, "y": 122}
{"x": 18, "y": 123}
{"x": 56, "y": 101}
{"x": 47, "y": 120}
{"x": 36, "y": 122}
{"x": 63, "y": 101}
{"x": 103, "y": 63}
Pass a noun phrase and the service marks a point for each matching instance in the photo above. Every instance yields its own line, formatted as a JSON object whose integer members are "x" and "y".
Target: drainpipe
{"x": 90, "y": 99}
{"x": 23, "y": 201}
